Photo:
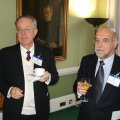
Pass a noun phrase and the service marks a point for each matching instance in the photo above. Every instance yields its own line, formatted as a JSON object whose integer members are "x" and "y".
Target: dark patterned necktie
{"x": 99, "y": 81}
{"x": 28, "y": 55}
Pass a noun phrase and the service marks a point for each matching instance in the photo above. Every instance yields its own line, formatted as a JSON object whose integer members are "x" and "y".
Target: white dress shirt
{"x": 29, "y": 102}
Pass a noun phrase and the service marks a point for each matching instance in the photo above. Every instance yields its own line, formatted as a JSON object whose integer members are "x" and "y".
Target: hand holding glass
{"x": 85, "y": 85}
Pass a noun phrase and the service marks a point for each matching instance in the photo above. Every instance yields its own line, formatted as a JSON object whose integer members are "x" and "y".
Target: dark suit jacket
{"x": 11, "y": 74}
{"x": 110, "y": 98}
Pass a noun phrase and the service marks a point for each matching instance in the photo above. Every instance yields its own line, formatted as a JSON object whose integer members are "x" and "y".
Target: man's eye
{"x": 27, "y": 28}
{"x": 18, "y": 30}
{"x": 96, "y": 40}
{"x": 105, "y": 40}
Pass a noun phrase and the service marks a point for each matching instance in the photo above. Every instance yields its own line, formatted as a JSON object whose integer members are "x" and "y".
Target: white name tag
{"x": 37, "y": 60}
{"x": 113, "y": 80}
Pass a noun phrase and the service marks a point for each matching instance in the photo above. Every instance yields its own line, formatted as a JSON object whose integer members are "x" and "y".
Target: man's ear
{"x": 116, "y": 44}
{"x": 36, "y": 31}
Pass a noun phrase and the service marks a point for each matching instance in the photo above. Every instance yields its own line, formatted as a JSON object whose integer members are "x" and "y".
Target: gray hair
{"x": 111, "y": 29}
{"x": 29, "y": 17}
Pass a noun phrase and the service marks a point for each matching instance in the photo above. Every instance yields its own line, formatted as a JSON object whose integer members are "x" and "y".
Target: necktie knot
{"x": 28, "y": 52}
{"x": 28, "y": 55}
{"x": 101, "y": 63}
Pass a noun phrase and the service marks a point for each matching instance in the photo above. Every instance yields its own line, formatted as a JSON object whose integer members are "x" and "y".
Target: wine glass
{"x": 86, "y": 85}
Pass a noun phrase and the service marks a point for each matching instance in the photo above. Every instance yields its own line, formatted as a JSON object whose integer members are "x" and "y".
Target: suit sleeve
{"x": 3, "y": 86}
{"x": 50, "y": 66}
{"x": 81, "y": 73}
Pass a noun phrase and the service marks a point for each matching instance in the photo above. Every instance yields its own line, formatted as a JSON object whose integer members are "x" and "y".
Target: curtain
{"x": 114, "y": 18}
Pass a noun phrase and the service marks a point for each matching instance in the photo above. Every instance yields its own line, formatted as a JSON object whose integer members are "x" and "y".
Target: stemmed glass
{"x": 86, "y": 85}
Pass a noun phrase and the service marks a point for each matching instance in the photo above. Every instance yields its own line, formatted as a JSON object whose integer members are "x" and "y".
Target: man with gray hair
{"x": 103, "y": 70}
{"x": 26, "y": 95}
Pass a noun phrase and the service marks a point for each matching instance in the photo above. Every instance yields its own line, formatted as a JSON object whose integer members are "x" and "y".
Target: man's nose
{"x": 23, "y": 31}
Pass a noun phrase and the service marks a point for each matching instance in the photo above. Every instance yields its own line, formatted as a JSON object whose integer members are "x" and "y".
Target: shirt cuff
{"x": 79, "y": 94}
{"x": 48, "y": 81}
{"x": 8, "y": 94}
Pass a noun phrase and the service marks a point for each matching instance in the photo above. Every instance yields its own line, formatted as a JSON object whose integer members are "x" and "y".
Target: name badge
{"x": 37, "y": 60}
{"x": 114, "y": 80}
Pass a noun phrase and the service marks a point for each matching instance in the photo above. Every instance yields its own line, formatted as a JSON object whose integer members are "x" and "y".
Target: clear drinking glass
{"x": 86, "y": 85}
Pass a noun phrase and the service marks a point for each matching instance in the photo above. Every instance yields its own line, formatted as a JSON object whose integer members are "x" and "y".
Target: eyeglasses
{"x": 104, "y": 41}
{"x": 26, "y": 29}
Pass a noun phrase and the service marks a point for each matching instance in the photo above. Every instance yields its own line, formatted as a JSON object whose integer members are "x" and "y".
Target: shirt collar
{"x": 108, "y": 60}
{"x": 24, "y": 50}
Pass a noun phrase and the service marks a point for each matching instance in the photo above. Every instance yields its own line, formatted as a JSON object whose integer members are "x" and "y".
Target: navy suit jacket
{"x": 110, "y": 98}
{"x": 11, "y": 74}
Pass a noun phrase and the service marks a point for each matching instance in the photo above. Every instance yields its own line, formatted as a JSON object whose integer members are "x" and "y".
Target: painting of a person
{"x": 49, "y": 27}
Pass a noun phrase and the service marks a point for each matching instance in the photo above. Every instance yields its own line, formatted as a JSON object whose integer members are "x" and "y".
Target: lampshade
{"x": 96, "y": 21}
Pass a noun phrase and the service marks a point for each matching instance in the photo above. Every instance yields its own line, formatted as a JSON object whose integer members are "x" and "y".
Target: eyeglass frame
{"x": 26, "y": 29}
{"x": 104, "y": 41}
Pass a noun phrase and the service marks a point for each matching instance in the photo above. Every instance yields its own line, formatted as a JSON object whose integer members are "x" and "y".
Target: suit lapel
{"x": 115, "y": 66}
{"x": 38, "y": 52}
{"x": 92, "y": 72}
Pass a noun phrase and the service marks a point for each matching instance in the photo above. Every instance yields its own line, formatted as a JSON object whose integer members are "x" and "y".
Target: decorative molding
{"x": 68, "y": 71}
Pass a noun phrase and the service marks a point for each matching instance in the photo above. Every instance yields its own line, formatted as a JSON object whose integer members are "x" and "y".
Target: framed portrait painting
{"x": 51, "y": 17}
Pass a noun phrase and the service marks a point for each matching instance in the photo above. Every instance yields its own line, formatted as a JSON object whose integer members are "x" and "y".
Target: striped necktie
{"x": 28, "y": 55}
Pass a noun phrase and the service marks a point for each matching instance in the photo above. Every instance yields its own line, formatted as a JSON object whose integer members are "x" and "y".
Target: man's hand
{"x": 80, "y": 88}
{"x": 16, "y": 93}
{"x": 44, "y": 77}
